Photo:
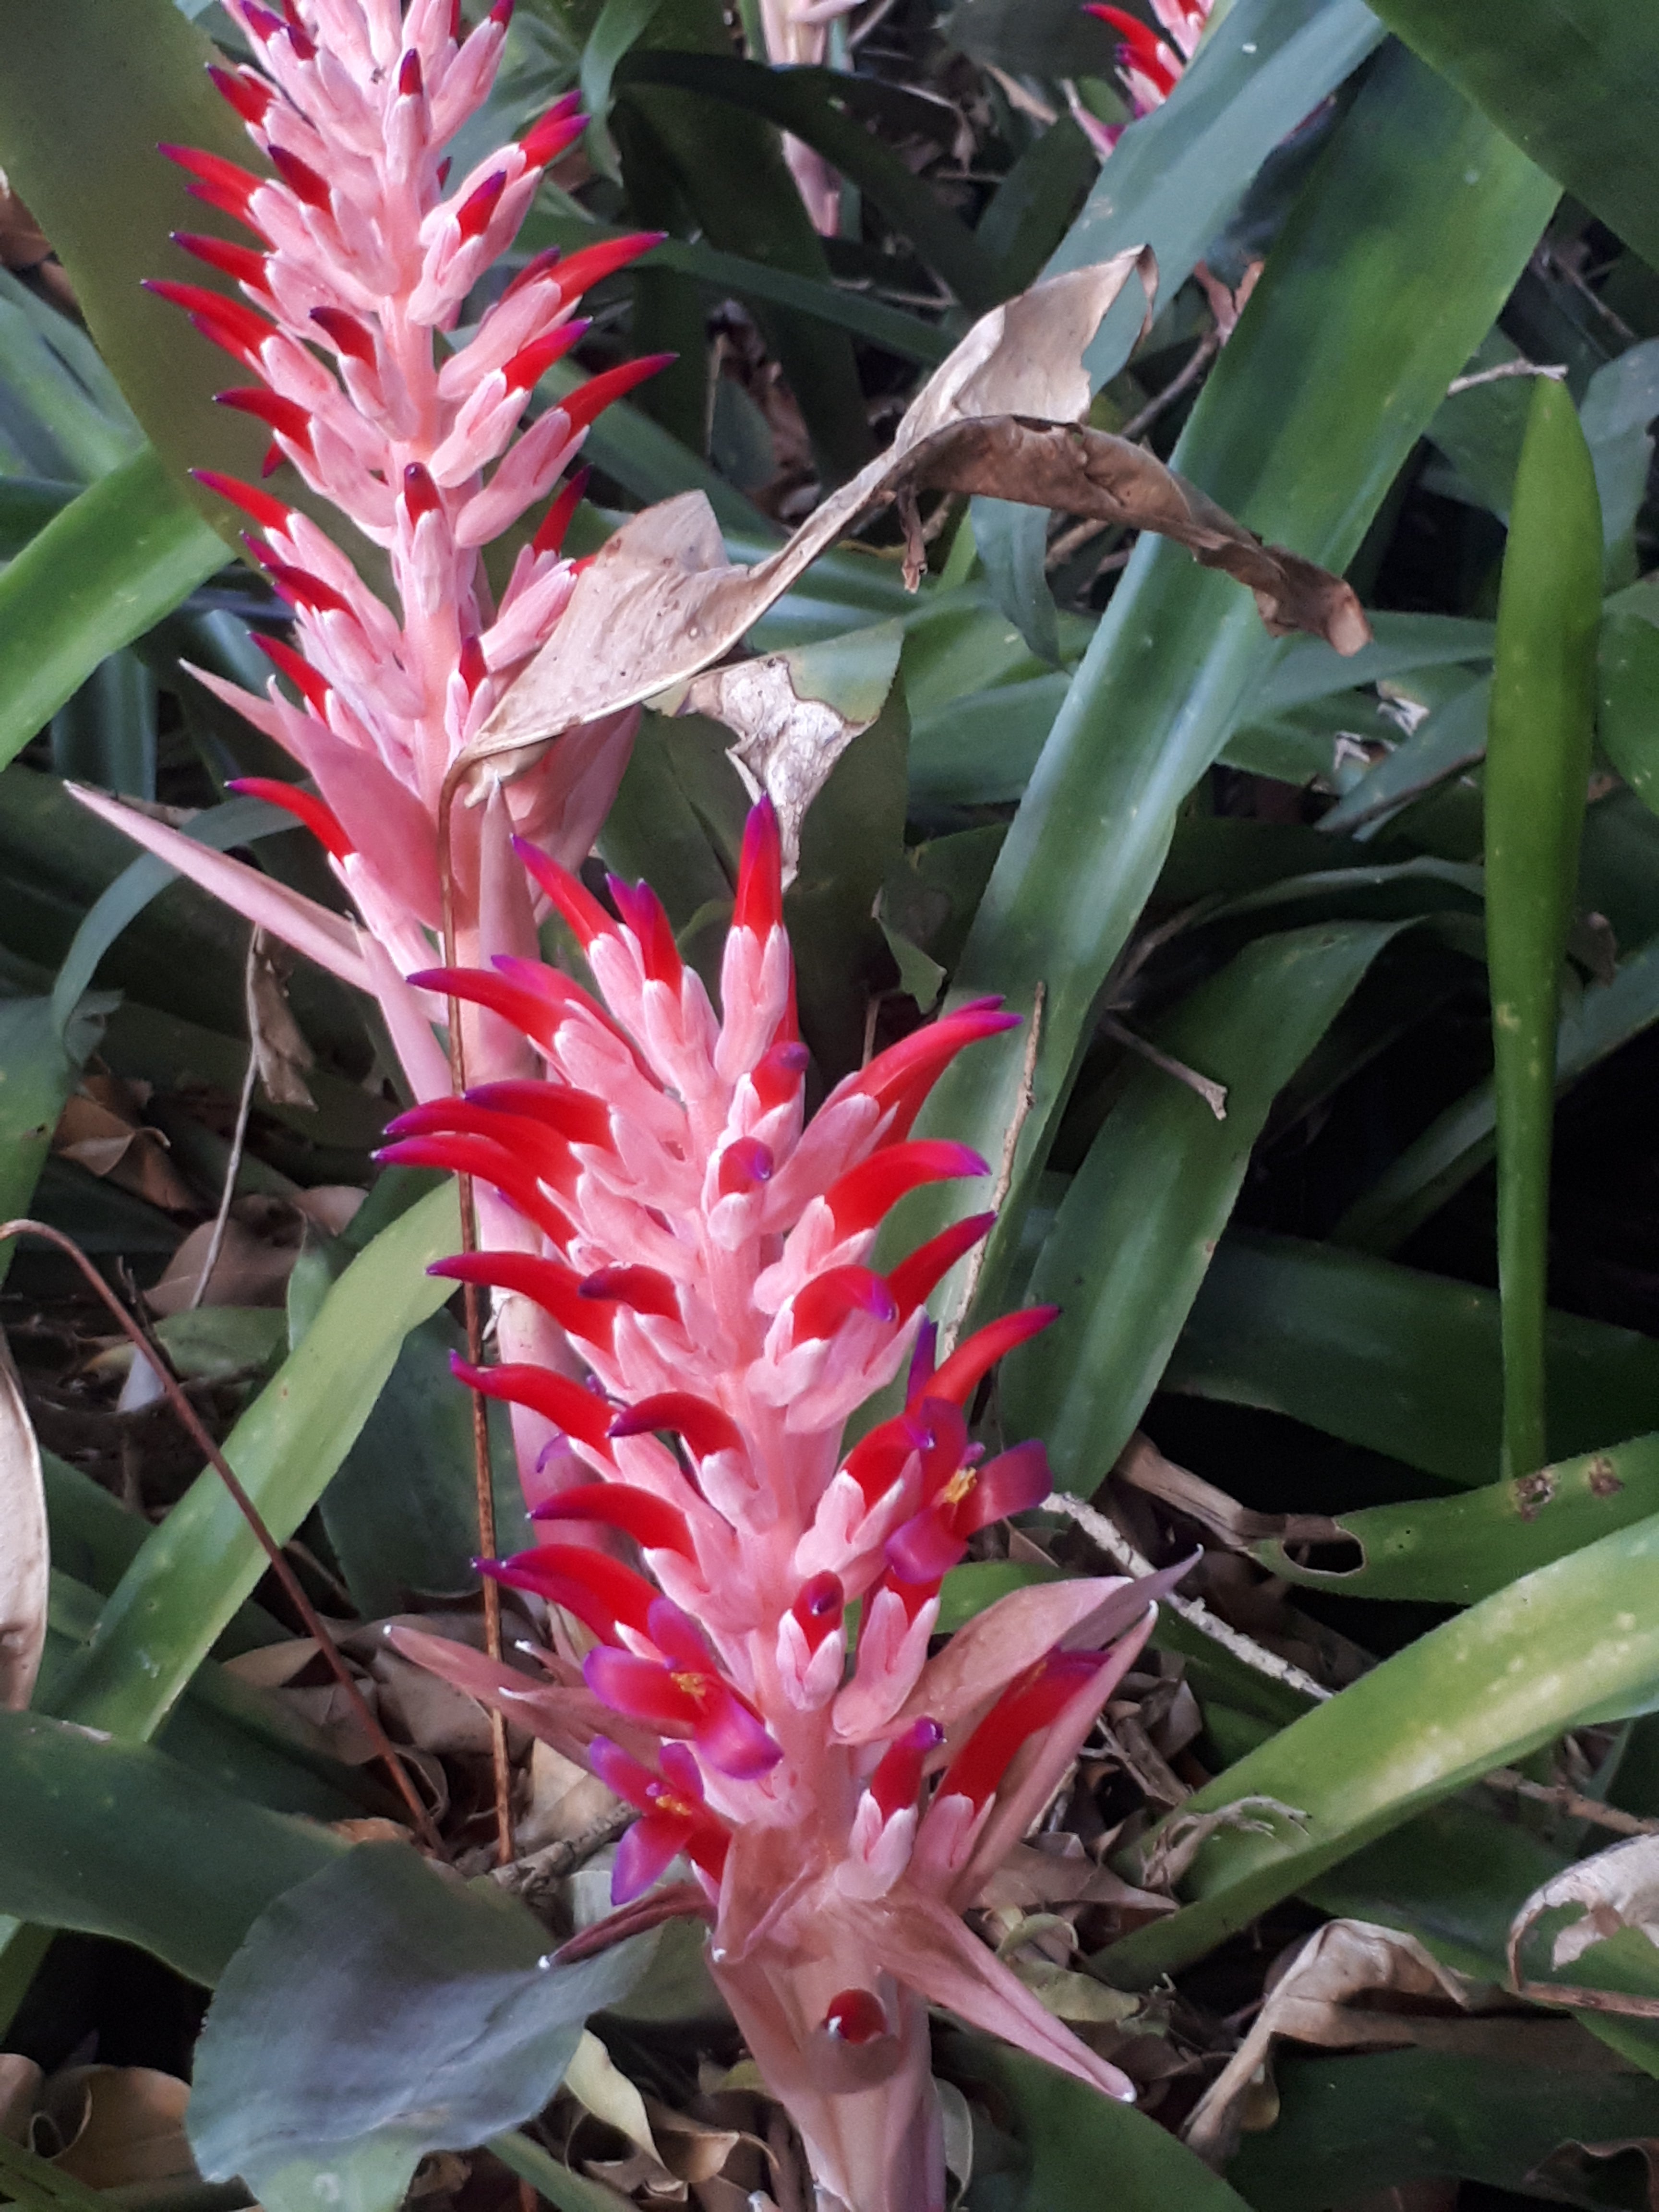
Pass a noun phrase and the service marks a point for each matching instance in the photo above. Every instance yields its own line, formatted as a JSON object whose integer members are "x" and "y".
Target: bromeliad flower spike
{"x": 366, "y": 250}
{"x": 840, "y": 1794}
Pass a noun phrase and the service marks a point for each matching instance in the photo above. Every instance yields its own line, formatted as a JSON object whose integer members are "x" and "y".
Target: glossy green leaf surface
{"x": 1453, "y": 1551}
{"x": 1134, "y": 1233}
{"x": 40, "y": 1056}
{"x": 1538, "y": 760}
{"x": 458, "y": 2023}
{"x": 193, "y": 1572}
{"x": 1347, "y": 345}
{"x": 1399, "y": 1361}
{"x": 118, "y": 1840}
{"x": 1574, "y": 85}
{"x": 112, "y": 562}
{"x": 1573, "y": 1642}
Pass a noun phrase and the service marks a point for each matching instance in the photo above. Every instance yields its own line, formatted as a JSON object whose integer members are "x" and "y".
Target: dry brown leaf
{"x": 261, "y": 1243}
{"x": 1177, "y": 1841}
{"x": 120, "y": 2127}
{"x": 1617, "y": 1889}
{"x": 23, "y": 243}
{"x": 19, "y": 2089}
{"x": 1312, "y": 2001}
{"x": 278, "y": 1043}
{"x": 25, "y": 1550}
{"x": 95, "y": 1132}
{"x": 660, "y": 601}
{"x": 1571, "y": 2173}
{"x": 566, "y": 1800}
{"x": 787, "y": 745}
{"x": 596, "y": 2083}
{"x": 1144, "y": 1467}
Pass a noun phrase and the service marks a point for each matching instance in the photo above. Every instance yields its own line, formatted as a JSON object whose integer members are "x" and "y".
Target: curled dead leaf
{"x": 660, "y": 601}
{"x": 25, "y": 1556}
{"x": 1313, "y": 2001}
{"x": 1617, "y": 1894}
{"x": 1144, "y": 1467}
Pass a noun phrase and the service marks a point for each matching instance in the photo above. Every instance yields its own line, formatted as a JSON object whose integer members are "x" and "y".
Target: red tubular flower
{"x": 304, "y": 806}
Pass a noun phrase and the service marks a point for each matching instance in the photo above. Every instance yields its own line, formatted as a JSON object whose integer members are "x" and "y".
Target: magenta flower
{"x": 1151, "y": 67}
{"x": 841, "y": 1795}
{"x": 366, "y": 251}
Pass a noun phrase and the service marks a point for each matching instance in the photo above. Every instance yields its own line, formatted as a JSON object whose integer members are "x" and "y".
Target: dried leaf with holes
{"x": 1617, "y": 1894}
{"x": 25, "y": 1556}
{"x": 1313, "y": 2002}
{"x": 661, "y": 601}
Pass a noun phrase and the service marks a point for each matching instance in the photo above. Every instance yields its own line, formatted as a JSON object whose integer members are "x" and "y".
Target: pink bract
{"x": 841, "y": 1797}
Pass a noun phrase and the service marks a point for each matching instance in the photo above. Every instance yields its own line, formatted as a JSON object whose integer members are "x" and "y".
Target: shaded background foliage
{"x": 1094, "y": 774}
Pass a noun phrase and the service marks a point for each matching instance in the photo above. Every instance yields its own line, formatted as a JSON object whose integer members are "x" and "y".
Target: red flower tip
{"x": 301, "y": 588}
{"x": 647, "y": 1289}
{"x": 286, "y": 416}
{"x": 587, "y": 918}
{"x": 269, "y": 512}
{"x": 745, "y": 1165}
{"x": 759, "y": 903}
{"x": 855, "y": 2016}
{"x": 581, "y": 407}
{"x": 500, "y": 15}
{"x": 299, "y": 38}
{"x": 301, "y": 179}
{"x": 220, "y": 183}
{"x": 777, "y": 1074}
{"x": 556, "y": 521}
{"x": 546, "y": 140}
{"x": 642, "y": 911}
{"x": 578, "y": 1412}
{"x": 410, "y": 83}
{"x": 962, "y": 1373}
{"x": 821, "y": 1306}
{"x": 304, "y": 806}
{"x": 251, "y": 96}
{"x": 310, "y": 683}
{"x": 420, "y": 493}
{"x": 593, "y": 263}
{"x": 347, "y": 334}
{"x": 704, "y": 1428}
{"x": 262, "y": 23}
{"x": 1034, "y": 1701}
{"x": 818, "y": 1608}
{"x": 229, "y": 323}
{"x": 444, "y": 168}
{"x": 654, "y": 1525}
{"x": 898, "y": 1776}
{"x": 539, "y": 265}
{"x": 548, "y": 1283}
{"x": 471, "y": 665}
{"x": 532, "y": 362}
{"x": 918, "y": 1276}
{"x": 862, "y": 1197}
{"x": 245, "y": 262}
{"x": 472, "y": 216}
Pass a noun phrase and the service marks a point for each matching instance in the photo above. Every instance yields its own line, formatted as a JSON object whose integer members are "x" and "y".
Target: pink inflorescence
{"x": 366, "y": 252}
{"x": 1151, "y": 67}
{"x": 708, "y": 1251}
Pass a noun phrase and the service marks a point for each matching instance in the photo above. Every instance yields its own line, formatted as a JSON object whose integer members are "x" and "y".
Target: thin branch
{"x": 1193, "y": 1610}
{"x": 1214, "y": 1095}
{"x": 1572, "y": 1802}
{"x": 1556, "y": 372}
{"x": 1202, "y": 354}
{"x": 147, "y": 1348}
{"x": 1005, "y": 1180}
{"x": 238, "y": 1136}
{"x": 484, "y": 1488}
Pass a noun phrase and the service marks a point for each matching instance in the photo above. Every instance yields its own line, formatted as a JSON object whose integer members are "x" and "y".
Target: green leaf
{"x": 1458, "y": 1144}
{"x": 118, "y": 1840}
{"x": 569, "y": 2191}
{"x": 41, "y": 1056}
{"x": 1627, "y": 717}
{"x": 196, "y": 1568}
{"x": 1348, "y": 2125}
{"x": 110, "y": 564}
{"x": 1453, "y": 1551}
{"x": 1073, "y": 2136}
{"x": 1129, "y": 1246}
{"x": 1572, "y": 85}
{"x": 1342, "y": 355}
{"x": 1538, "y": 760}
{"x": 1573, "y": 1643}
{"x": 86, "y": 97}
{"x": 810, "y": 103}
{"x": 1399, "y": 1362}
{"x": 457, "y": 2023}
{"x": 105, "y": 734}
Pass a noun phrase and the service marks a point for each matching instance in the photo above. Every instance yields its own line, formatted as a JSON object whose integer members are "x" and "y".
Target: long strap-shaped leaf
{"x": 1401, "y": 249}
{"x": 1538, "y": 760}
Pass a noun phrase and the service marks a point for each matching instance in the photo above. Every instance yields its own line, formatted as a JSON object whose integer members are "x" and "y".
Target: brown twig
{"x": 1214, "y": 1095}
{"x": 473, "y": 1314}
{"x": 147, "y": 1348}
{"x": 1202, "y": 354}
{"x": 1572, "y": 1802}
{"x": 1005, "y": 1180}
{"x": 1556, "y": 372}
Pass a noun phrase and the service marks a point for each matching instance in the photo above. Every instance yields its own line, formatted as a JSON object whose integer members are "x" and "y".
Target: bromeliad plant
{"x": 368, "y": 254}
{"x": 842, "y": 1795}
